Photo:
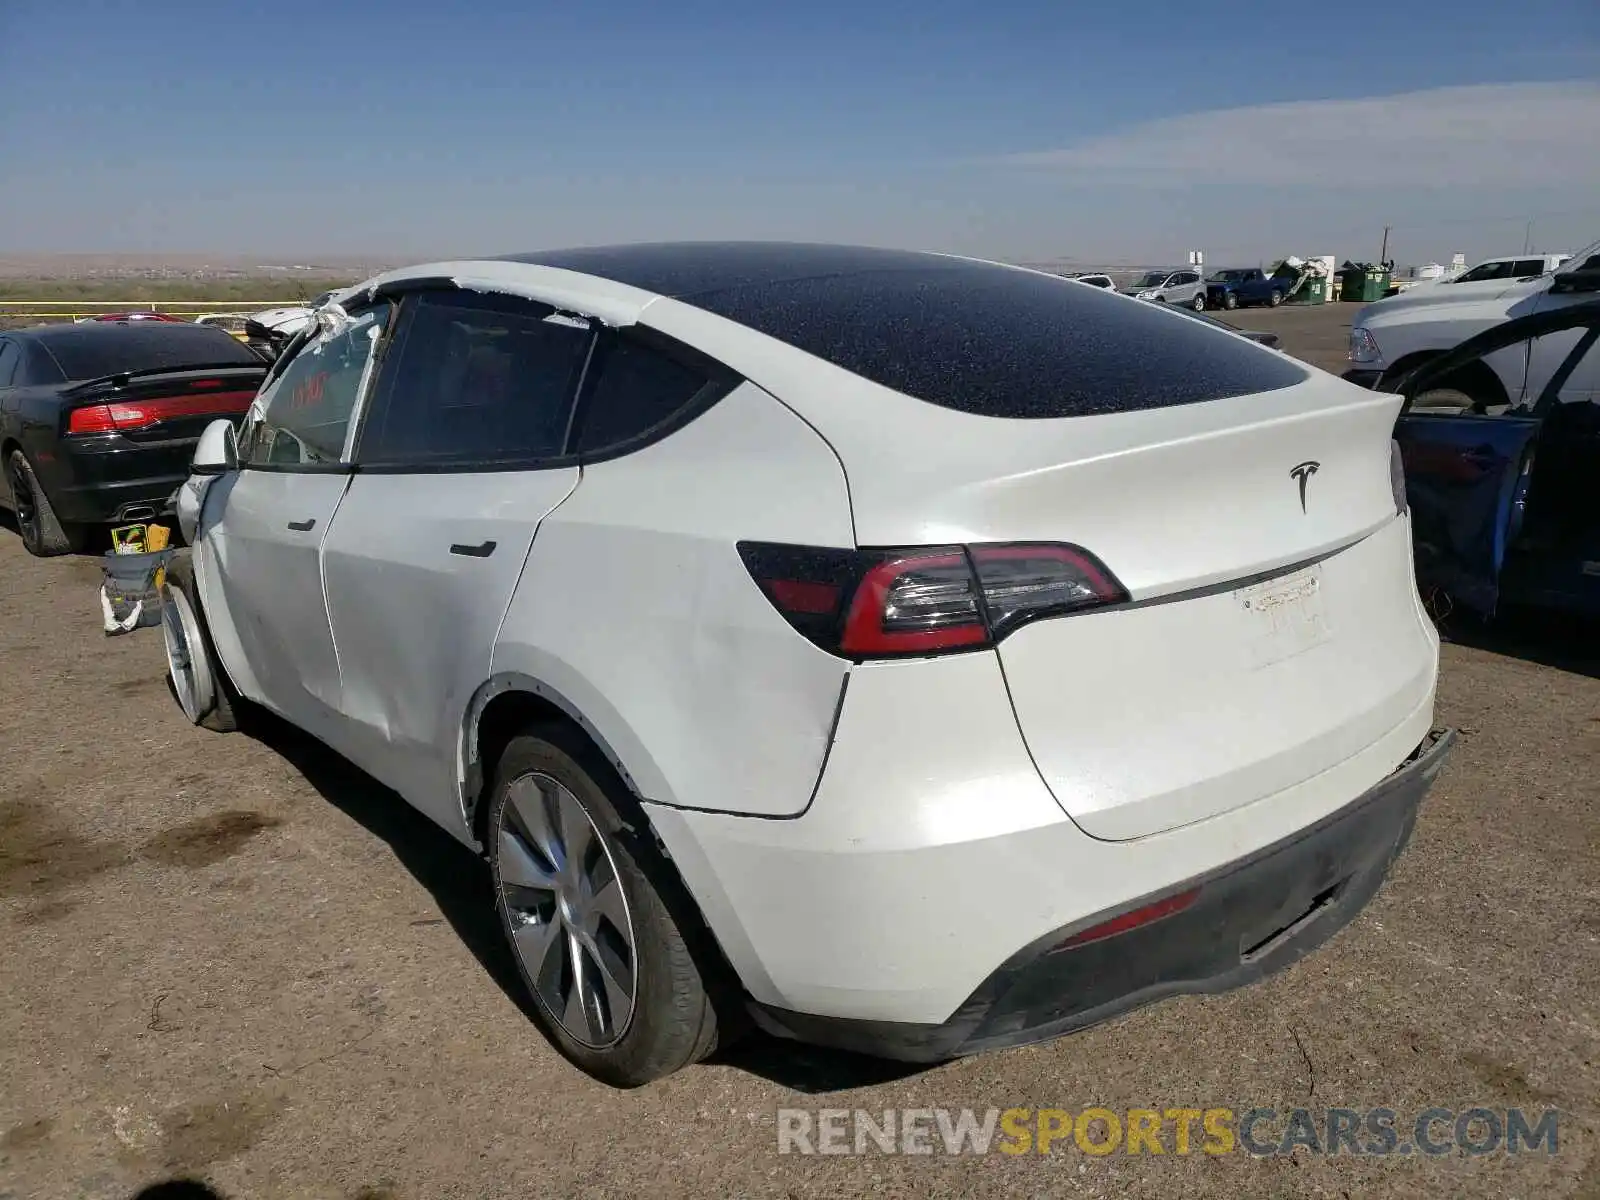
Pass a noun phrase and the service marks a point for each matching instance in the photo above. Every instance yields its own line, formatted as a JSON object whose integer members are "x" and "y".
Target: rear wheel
{"x": 44, "y": 535}
{"x": 1199, "y": 302}
{"x": 204, "y": 693}
{"x": 1275, "y": 299}
{"x": 582, "y": 896}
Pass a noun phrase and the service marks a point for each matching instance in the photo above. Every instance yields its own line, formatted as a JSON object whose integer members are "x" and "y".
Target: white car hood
{"x": 283, "y": 320}
{"x": 1440, "y": 292}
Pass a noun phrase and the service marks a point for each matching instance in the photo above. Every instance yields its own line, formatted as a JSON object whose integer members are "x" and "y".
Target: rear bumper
{"x": 1248, "y": 918}
{"x": 99, "y": 480}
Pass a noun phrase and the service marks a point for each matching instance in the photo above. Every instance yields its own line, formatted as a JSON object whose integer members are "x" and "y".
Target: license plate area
{"x": 1284, "y": 617}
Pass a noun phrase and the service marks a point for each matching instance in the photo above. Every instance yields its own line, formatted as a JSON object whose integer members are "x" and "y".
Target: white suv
{"x": 913, "y": 654}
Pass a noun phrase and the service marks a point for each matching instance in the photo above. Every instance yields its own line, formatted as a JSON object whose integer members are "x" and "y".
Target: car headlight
{"x": 1363, "y": 346}
{"x": 1145, "y": 295}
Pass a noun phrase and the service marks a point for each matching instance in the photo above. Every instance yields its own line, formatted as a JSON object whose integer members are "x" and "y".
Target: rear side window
{"x": 305, "y": 409}
{"x": 476, "y": 380}
{"x": 1000, "y": 342}
{"x": 96, "y": 349}
{"x": 641, "y": 390}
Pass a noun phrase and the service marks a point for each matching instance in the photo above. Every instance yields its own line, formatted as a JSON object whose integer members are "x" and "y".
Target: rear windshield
{"x": 90, "y": 351}
{"x": 999, "y": 342}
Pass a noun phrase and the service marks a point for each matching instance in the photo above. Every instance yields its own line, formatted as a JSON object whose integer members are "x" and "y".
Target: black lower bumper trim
{"x": 1249, "y": 918}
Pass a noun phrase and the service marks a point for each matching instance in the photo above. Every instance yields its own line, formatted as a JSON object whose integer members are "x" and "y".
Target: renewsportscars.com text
{"x": 1259, "y": 1131}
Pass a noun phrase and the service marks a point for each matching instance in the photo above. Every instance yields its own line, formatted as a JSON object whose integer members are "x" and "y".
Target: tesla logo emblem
{"x": 1302, "y": 474}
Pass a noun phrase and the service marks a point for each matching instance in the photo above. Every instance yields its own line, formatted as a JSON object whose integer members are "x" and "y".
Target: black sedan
{"x": 98, "y": 422}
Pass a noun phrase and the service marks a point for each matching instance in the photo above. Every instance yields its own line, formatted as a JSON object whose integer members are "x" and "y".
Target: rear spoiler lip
{"x": 122, "y": 379}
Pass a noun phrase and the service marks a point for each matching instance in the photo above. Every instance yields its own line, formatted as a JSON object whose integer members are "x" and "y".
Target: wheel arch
{"x": 1477, "y": 379}
{"x": 503, "y": 706}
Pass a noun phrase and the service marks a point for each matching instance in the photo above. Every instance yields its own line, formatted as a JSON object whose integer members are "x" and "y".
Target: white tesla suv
{"x": 913, "y": 654}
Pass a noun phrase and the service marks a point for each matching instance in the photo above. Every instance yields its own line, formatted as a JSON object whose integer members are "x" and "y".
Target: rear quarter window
{"x": 644, "y": 387}
{"x": 999, "y": 342}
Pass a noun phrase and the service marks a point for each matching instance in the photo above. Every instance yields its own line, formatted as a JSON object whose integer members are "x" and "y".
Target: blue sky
{"x": 1114, "y": 132}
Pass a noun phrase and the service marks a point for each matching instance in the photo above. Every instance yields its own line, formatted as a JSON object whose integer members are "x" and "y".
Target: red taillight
{"x": 123, "y": 416}
{"x": 927, "y": 600}
{"x": 1132, "y": 919}
{"x": 914, "y": 605}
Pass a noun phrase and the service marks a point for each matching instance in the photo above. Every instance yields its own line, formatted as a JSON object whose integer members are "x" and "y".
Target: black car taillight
{"x": 126, "y": 416}
{"x": 926, "y": 599}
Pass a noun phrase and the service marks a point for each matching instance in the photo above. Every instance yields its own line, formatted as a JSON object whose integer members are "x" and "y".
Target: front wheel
{"x": 1230, "y": 301}
{"x": 44, "y": 535}
{"x": 1275, "y": 299}
{"x": 583, "y": 899}
{"x": 204, "y": 693}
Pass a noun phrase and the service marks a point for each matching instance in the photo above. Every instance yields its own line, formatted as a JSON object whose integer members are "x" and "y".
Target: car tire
{"x": 201, "y": 686}
{"x": 44, "y": 535}
{"x": 1230, "y": 301}
{"x": 1199, "y": 302}
{"x": 1275, "y": 298}
{"x": 598, "y": 935}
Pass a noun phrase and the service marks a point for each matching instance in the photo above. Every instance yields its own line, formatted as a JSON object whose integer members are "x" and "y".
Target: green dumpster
{"x": 1364, "y": 284}
{"x": 1312, "y": 291}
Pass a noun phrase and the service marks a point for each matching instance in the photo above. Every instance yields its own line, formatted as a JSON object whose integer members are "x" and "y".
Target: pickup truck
{"x": 1239, "y": 286}
{"x": 1391, "y": 339}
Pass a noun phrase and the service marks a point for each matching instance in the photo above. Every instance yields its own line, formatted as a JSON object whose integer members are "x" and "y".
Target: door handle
{"x": 482, "y": 550}
{"x": 302, "y": 526}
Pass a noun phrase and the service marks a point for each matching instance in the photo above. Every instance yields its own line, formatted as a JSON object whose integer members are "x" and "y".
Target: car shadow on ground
{"x": 178, "y": 1189}
{"x": 459, "y": 882}
{"x": 1564, "y": 641}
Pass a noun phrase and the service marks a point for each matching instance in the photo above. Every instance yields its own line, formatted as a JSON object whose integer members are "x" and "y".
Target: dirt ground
{"x": 236, "y": 958}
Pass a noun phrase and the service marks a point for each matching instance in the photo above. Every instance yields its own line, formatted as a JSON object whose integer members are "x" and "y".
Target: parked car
{"x": 1264, "y": 337}
{"x": 98, "y": 422}
{"x": 1490, "y": 276}
{"x": 1181, "y": 286}
{"x": 1236, "y": 287}
{"x": 1391, "y": 339}
{"x": 268, "y": 332}
{"x": 230, "y": 323}
{"x": 1507, "y": 502}
{"x": 785, "y": 589}
{"x": 1095, "y": 279}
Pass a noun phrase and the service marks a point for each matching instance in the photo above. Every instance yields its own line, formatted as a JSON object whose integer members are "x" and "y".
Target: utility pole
{"x": 1527, "y": 239}
{"x": 1383, "y": 255}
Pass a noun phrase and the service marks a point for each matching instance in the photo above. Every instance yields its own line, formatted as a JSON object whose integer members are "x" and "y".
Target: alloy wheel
{"x": 186, "y": 661}
{"x": 566, "y": 910}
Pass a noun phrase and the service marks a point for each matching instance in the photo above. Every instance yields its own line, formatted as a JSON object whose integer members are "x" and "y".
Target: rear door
{"x": 459, "y": 458}
{"x": 267, "y": 522}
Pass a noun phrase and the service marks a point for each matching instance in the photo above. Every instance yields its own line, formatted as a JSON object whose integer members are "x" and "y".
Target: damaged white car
{"x": 902, "y": 652}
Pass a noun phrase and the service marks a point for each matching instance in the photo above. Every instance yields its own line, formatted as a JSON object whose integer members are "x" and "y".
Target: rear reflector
{"x": 1132, "y": 919}
{"x": 924, "y": 600}
{"x": 124, "y": 416}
